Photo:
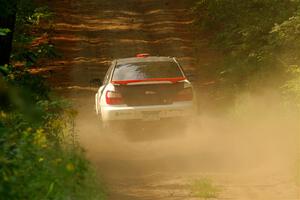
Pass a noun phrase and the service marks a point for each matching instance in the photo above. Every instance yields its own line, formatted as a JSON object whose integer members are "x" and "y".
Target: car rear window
{"x": 146, "y": 70}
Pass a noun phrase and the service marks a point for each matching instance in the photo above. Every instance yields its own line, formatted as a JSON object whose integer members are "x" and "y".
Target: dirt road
{"x": 158, "y": 164}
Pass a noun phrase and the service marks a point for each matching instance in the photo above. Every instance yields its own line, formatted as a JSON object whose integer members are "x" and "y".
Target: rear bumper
{"x": 148, "y": 113}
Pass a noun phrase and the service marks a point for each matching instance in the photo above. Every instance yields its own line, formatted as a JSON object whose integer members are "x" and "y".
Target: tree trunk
{"x": 7, "y": 20}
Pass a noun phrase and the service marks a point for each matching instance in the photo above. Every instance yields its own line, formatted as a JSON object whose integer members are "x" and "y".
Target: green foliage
{"x": 40, "y": 13}
{"x": 40, "y": 157}
{"x": 205, "y": 189}
{"x": 240, "y": 27}
{"x": 39, "y": 154}
{"x": 285, "y": 38}
{"x": 258, "y": 39}
{"x": 291, "y": 88}
{"x": 30, "y": 43}
{"x": 29, "y": 83}
{"x": 4, "y": 31}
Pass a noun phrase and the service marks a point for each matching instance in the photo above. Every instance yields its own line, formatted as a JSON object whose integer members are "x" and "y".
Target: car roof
{"x": 145, "y": 59}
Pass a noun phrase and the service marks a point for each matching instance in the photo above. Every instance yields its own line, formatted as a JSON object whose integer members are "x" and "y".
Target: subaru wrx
{"x": 145, "y": 88}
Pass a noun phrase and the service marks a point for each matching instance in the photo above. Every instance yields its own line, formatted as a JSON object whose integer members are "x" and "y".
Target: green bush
{"x": 259, "y": 41}
{"x": 40, "y": 157}
{"x": 31, "y": 43}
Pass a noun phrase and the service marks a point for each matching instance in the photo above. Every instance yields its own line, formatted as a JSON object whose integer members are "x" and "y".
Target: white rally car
{"x": 144, "y": 88}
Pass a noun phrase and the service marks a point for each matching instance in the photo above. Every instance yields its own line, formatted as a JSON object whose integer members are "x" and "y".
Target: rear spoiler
{"x": 150, "y": 81}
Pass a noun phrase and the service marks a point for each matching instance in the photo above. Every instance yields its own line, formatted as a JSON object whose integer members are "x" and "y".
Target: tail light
{"x": 185, "y": 95}
{"x": 113, "y": 98}
{"x": 142, "y": 55}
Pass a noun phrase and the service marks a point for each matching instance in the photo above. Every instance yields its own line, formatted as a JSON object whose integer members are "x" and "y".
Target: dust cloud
{"x": 255, "y": 146}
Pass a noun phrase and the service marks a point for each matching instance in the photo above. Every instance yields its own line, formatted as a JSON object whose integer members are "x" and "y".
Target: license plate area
{"x": 150, "y": 115}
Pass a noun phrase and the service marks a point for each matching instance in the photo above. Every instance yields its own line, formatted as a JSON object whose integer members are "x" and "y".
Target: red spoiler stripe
{"x": 173, "y": 80}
